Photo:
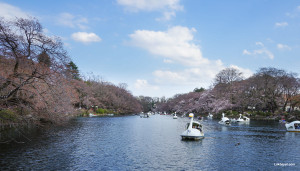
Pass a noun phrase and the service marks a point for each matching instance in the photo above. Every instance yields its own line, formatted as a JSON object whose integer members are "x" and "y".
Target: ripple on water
{"x": 134, "y": 143}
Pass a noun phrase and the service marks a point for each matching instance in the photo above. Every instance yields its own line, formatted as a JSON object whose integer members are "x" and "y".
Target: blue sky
{"x": 165, "y": 47}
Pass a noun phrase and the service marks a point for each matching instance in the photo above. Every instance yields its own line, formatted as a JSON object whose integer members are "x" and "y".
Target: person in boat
{"x": 198, "y": 127}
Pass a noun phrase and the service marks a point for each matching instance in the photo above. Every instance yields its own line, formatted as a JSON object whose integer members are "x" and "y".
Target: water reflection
{"x": 134, "y": 143}
{"x": 224, "y": 128}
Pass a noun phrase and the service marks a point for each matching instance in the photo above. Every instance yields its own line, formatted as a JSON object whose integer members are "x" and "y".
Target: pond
{"x": 134, "y": 143}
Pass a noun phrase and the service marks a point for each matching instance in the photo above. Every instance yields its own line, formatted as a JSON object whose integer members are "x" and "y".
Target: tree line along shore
{"x": 269, "y": 94}
{"x": 39, "y": 83}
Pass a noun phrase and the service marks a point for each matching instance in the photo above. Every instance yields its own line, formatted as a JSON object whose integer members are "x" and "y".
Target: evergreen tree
{"x": 199, "y": 89}
{"x": 73, "y": 70}
{"x": 44, "y": 58}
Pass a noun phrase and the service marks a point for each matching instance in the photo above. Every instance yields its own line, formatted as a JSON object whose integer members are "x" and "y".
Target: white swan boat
{"x": 243, "y": 119}
{"x": 233, "y": 120}
{"x": 144, "y": 115}
{"x": 175, "y": 116}
{"x": 165, "y": 113}
{"x": 193, "y": 130}
{"x": 224, "y": 120}
{"x": 293, "y": 126}
{"x": 210, "y": 116}
{"x": 240, "y": 119}
{"x": 246, "y": 119}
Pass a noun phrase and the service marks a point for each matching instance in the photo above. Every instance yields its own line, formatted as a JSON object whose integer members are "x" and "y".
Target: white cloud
{"x": 259, "y": 44}
{"x": 169, "y": 83}
{"x": 143, "y": 85}
{"x": 246, "y": 52}
{"x": 188, "y": 79}
{"x": 201, "y": 75}
{"x": 168, "y": 61}
{"x": 283, "y": 47}
{"x": 167, "y": 16}
{"x": 11, "y": 12}
{"x": 265, "y": 52}
{"x": 169, "y": 77}
{"x": 282, "y": 24}
{"x": 168, "y": 7}
{"x": 85, "y": 37}
{"x": 175, "y": 44}
{"x": 261, "y": 51}
{"x": 294, "y": 13}
{"x": 246, "y": 72}
{"x": 69, "y": 20}
{"x": 150, "y": 5}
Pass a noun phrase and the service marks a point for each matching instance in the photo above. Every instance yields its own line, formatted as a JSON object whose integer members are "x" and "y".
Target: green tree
{"x": 44, "y": 58}
{"x": 199, "y": 89}
{"x": 73, "y": 70}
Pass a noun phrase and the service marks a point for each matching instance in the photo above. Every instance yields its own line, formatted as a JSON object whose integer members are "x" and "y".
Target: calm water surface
{"x": 134, "y": 143}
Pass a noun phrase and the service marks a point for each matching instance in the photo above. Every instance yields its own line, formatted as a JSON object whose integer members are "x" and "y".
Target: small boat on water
{"x": 175, "y": 116}
{"x": 233, "y": 120}
{"x": 293, "y": 126}
{"x": 200, "y": 118}
{"x": 224, "y": 120}
{"x": 210, "y": 116}
{"x": 163, "y": 113}
{"x": 240, "y": 119}
{"x": 243, "y": 119}
{"x": 282, "y": 121}
{"x": 92, "y": 115}
{"x": 144, "y": 115}
{"x": 246, "y": 119}
{"x": 193, "y": 130}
